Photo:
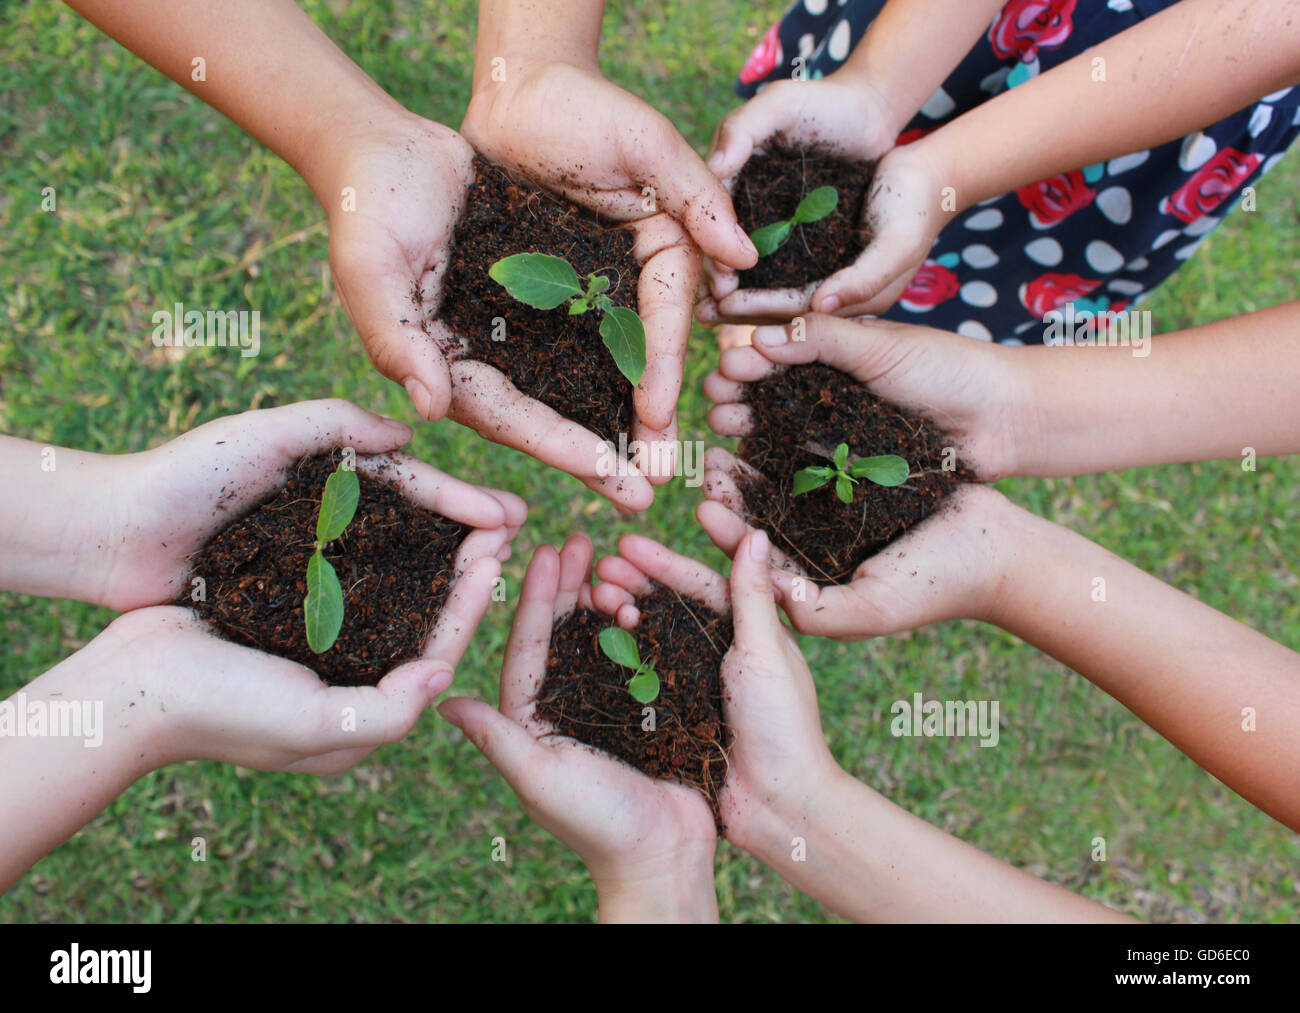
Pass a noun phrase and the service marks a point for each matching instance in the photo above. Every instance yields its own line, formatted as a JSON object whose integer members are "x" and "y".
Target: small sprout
{"x": 813, "y": 208}
{"x": 620, "y": 647}
{"x": 886, "y": 469}
{"x": 544, "y": 282}
{"x": 323, "y": 607}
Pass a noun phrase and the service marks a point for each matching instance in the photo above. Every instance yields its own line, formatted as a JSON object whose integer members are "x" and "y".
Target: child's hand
{"x": 649, "y": 844}
{"x": 947, "y": 566}
{"x": 191, "y": 695}
{"x": 904, "y": 214}
{"x": 778, "y": 755}
{"x": 178, "y": 495}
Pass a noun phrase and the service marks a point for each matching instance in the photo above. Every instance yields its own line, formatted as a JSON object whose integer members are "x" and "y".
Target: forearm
{"x": 1225, "y": 695}
{"x": 265, "y": 65}
{"x": 521, "y": 32}
{"x": 70, "y": 744}
{"x": 1207, "y": 393}
{"x": 870, "y": 860}
{"x": 1178, "y": 71}
{"x": 905, "y": 60}
{"x": 56, "y": 520}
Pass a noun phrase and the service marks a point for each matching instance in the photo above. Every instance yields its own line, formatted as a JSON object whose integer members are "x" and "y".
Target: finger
{"x": 481, "y": 542}
{"x": 462, "y": 611}
{"x": 734, "y": 336}
{"x": 375, "y": 288}
{"x": 487, "y": 402}
{"x": 762, "y": 304}
{"x": 881, "y": 302}
{"x": 753, "y": 607}
{"x": 575, "y": 571}
{"x": 719, "y": 280}
{"x": 310, "y": 427}
{"x": 880, "y": 265}
{"x": 687, "y": 190}
{"x": 510, "y": 748}
{"x": 731, "y": 420}
{"x": 515, "y": 507}
{"x": 721, "y": 389}
{"x": 655, "y": 454}
{"x": 726, "y": 526}
{"x": 335, "y": 762}
{"x": 618, "y": 573}
{"x": 706, "y": 312}
{"x": 681, "y": 574}
{"x": 873, "y": 352}
{"x": 670, "y": 273}
{"x": 840, "y": 612}
{"x": 436, "y": 491}
{"x": 720, "y": 487}
{"x": 530, "y": 634}
{"x": 734, "y": 140}
{"x": 362, "y": 717}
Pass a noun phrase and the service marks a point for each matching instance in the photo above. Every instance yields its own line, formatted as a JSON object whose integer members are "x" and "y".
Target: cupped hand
{"x": 949, "y": 565}
{"x": 778, "y": 752}
{"x": 485, "y": 400}
{"x": 195, "y": 696}
{"x": 575, "y": 132}
{"x": 170, "y": 500}
{"x": 904, "y": 214}
{"x": 637, "y": 835}
{"x": 392, "y": 201}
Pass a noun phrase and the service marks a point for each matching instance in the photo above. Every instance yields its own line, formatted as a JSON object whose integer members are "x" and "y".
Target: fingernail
{"x": 758, "y": 545}
{"x": 448, "y": 713}
{"x": 746, "y": 242}
{"x": 771, "y": 335}
{"x": 393, "y": 423}
{"x": 420, "y": 396}
{"x": 716, "y": 161}
{"x": 440, "y": 679}
{"x": 829, "y": 305}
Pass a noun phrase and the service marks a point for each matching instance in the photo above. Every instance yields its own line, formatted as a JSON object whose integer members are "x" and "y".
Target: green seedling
{"x": 323, "y": 607}
{"x": 620, "y": 647}
{"x": 813, "y": 208}
{"x": 886, "y": 469}
{"x": 544, "y": 282}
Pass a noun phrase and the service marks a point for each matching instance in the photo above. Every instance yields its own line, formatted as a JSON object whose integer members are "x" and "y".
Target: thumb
{"x": 883, "y": 263}
{"x": 377, "y": 295}
{"x": 508, "y": 747}
{"x": 687, "y": 190}
{"x": 753, "y": 606}
{"x": 734, "y": 142}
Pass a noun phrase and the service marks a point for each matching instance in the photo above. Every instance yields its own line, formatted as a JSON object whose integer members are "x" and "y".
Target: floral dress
{"x": 1101, "y": 237}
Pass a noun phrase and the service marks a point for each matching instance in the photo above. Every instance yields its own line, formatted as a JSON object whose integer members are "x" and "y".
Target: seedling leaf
{"x": 811, "y": 478}
{"x": 886, "y": 469}
{"x": 338, "y": 505}
{"x": 624, "y": 336}
{"x": 644, "y": 686}
{"x": 538, "y": 279}
{"x": 599, "y": 284}
{"x": 841, "y": 456}
{"x": 816, "y": 205}
{"x": 578, "y": 306}
{"x": 844, "y": 488}
{"x": 323, "y": 606}
{"x": 619, "y": 647}
{"x": 769, "y": 238}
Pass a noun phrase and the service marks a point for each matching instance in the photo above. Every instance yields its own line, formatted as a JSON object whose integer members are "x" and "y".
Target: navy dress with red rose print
{"x": 1101, "y": 237}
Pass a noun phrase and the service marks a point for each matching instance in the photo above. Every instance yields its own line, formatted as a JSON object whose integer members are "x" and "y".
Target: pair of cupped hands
{"x": 570, "y": 130}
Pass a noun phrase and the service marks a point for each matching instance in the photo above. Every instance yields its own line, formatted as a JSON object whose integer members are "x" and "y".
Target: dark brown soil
{"x": 803, "y": 406}
{"x": 554, "y": 358}
{"x": 585, "y": 697}
{"x": 395, "y": 561}
{"x": 770, "y": 187}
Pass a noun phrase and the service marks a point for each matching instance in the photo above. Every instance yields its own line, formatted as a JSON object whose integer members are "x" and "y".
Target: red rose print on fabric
{"x": 764, "y": 58}
{"x": 931, "y": 285}
{"x": 1053, "y": 200}
{"x": 1210, "y": 185}
{"x": 1026, "y": 26}
{"x": 909, "y": 136}
{"x": 1052, "y": 291}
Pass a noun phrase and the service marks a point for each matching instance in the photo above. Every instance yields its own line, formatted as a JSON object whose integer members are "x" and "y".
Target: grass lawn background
{"x": 161, "y": 200}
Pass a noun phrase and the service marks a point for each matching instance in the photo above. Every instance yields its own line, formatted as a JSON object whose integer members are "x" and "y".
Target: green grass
{"x": 160, "y": 200}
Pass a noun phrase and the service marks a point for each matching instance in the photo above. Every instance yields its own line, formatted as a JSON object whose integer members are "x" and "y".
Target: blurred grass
{"x": 160, "y": 200}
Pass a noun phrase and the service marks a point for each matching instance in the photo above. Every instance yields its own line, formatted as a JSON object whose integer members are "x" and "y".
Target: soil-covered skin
{"x": 585, "y": 697}
{"x": 396, "y": 562}
{"x": 770, "y": 187}
{"x": 557, "y": 359}
{"x": 801, "y": 414}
